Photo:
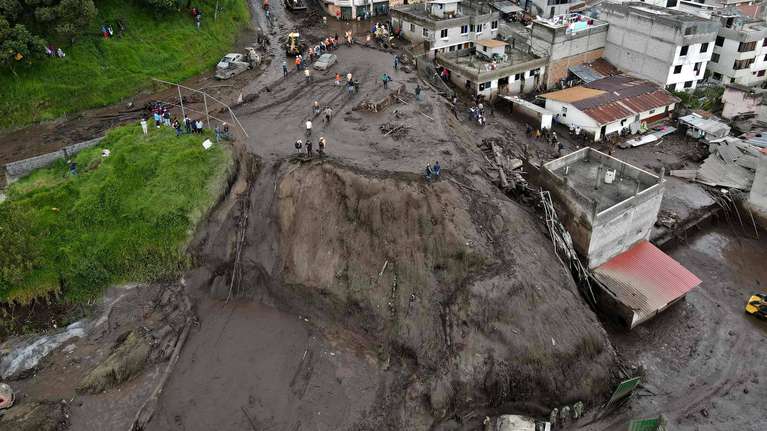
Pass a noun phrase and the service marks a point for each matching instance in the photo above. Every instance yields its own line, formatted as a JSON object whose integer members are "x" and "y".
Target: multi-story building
{"x": 548, "y": 8}
{"x": 666, "y": 46}
{"x": 445, "y": 25}
{"x": 707, "y": 6}
{"x": 493, "y": 67}
{"x": 740, "y": 51}
{"x": 353, "y": 9}
{"x": 567, "y": 40}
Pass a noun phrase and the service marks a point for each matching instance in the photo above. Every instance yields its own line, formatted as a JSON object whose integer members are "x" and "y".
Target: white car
{"x": 230, "y": 58}
{"x": 325, "y": 61}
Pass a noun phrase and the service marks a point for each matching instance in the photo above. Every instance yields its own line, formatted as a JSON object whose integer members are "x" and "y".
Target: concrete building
{"x": 509, "y": 71}
{"x": 739, "y": 100}
{"x": 445, "y": 25}
{"x": 609, "y": 208}
{"x": 608, "y": 105}
{"x": 352, "y": 9}
{"x": 567, "y": 40}
{"x": 668, "y": 47}
{"x": 609, "y": 205}
{"x": 740, "y": 51}
{"x": 757, "y": 197}
{"x": 549, "y": 8}
{"x": 708, "y": 6}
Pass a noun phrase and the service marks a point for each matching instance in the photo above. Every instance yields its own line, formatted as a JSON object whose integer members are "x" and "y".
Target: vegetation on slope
{"x": 126, "y": 217}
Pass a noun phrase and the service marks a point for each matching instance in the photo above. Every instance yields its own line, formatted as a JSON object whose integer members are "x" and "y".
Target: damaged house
{"x": 609, "y": 209}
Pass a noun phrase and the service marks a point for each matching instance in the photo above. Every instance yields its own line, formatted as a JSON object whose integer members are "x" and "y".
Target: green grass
{"x": 124, "y": 218}
{"x": 98, "y": 72}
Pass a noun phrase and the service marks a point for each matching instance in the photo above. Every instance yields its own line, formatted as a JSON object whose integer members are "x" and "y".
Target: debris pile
{"x": 379, "y": 105}
{"x": 508, "y": 169}
{"x": 396, "y": 131}
{"x": 731, "y": 163}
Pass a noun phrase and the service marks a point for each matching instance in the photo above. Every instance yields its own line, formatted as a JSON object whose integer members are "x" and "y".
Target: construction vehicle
{"x": 235, "y": 63}
{"x": 294, "y": 5}
{"x": 293, "y": 45}
{"x": 757, "y": 306}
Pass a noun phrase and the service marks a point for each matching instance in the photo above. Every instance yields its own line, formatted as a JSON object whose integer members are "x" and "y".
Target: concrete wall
{"x": 544, "y": 7}
{"x": 576, "y": 117}
{"x": 413, "y": 27}
{"x": 739, "y": 102}
{"x": 616, "y": 230}
{"x": 526, "y": 84}
{"x": 16, "y": 170}
{"x": 559, "y": 69}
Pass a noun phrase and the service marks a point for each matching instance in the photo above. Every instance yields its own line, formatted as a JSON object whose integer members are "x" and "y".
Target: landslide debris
{"x": 462, "y": 289}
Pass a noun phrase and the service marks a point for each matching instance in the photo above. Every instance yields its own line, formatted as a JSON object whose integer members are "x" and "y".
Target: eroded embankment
{"x": 461, "y": 290}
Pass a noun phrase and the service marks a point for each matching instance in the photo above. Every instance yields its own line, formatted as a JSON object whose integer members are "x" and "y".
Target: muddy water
{"x": 704, "y": 357}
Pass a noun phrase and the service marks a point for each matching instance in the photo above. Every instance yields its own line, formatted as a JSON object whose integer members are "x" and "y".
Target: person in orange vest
{"x": 298, "y": 62}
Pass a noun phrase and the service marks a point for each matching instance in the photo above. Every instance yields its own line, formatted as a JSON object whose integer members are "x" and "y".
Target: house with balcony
{"x": 740, "y": 51}
{"x": 445, "y": 25}
{"x": 666, "y": 46}
{"x": 493, "y": 67}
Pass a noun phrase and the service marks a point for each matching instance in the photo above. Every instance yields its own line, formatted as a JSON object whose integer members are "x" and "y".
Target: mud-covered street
{"x": 345, "y": 292}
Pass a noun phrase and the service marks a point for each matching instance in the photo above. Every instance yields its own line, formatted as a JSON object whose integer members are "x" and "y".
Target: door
{"x": 602, "y": 132}
{"x": 346, "y": 13}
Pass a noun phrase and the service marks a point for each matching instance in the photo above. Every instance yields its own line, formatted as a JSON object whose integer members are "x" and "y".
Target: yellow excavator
{"x": 757, "y": 306}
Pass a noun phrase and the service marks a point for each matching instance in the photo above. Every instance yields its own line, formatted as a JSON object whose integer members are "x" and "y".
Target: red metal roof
{"x": 609, "y": 112}
{"x": 645, "y": 279}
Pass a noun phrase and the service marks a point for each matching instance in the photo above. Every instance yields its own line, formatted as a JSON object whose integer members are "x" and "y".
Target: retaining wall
{"x": 18, "y": 169}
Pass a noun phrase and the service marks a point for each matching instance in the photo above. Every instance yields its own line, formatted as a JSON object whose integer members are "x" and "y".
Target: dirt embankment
{"x": 452, "y": 289}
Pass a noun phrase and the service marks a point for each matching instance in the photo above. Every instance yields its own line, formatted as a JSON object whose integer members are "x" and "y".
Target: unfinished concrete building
{"x": 567, "y": 40}
{"x": 668, "y": 47}
{"x": 609, "y": 208}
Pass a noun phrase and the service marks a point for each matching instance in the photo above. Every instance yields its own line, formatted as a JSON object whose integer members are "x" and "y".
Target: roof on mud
{"x": 645, "y": 279}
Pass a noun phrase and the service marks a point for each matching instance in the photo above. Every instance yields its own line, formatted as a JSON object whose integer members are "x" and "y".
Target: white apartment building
{"x": 549, "y": 8}
{"x": 353, "y": 9}
{"x": 445, "y": 25}
{"x": 666, "y": 46}
{"x": 740, "y": 54}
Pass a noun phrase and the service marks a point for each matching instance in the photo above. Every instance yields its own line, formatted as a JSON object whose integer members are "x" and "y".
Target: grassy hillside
{"x": 98, "y": 72}
{"x": 126, "y": 217}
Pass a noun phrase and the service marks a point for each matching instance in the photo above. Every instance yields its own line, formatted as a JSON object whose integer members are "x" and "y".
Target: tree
{"x": 73, "y": 16}
{"x": 161, "y": 4}
{"x": 18, "y": 44}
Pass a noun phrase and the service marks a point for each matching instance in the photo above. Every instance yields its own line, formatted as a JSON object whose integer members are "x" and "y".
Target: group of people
{"x": 197, "y": 16}
{"x": 432, "y": 171}
{"x": 548, "y": 135}
{"x": 161, "y": 115}
{"x": 107, "y": 31}
{"x": 52, "y": 51}
{"x": 352, "y": 85}
{"x": 321, "y": 145}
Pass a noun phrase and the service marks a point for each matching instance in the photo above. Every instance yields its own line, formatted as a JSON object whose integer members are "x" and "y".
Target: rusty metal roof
{"x": 645, "y": 279}
{"x": 573, "y": 94}
{"x": 609, "y": 112}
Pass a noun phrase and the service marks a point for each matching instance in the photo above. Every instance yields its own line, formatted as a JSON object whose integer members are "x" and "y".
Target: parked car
{"x": 325, "y": 61}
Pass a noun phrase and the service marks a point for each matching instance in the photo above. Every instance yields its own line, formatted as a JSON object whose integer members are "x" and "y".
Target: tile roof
{"x": 615, "y": 97}
{"x": 492, "y": 43}
{"x": 645, "y": 279}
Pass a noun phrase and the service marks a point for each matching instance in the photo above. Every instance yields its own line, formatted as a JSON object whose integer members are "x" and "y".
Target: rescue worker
{"x": 321, "y": 146}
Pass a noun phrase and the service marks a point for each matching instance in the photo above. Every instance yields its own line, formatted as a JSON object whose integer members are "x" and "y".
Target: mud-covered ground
{"x": 345, "y": 293}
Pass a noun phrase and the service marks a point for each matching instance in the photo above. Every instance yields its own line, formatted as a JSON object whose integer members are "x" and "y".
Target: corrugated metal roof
{"x": 585, "y": 72}
{"x": 609, "y": 112}
{"x": 716, "y": 128}
{"x": 648, "y": 101}
{"x": 572, "y": 94}
{"x": 645, "y": 279}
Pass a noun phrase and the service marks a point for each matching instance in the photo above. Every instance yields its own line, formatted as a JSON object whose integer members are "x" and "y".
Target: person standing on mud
{"x": 328, "y": 115}
{"x": 338, "y": 78}
{"x": 385, "y": 78}
{"x": 321, "y": 146}
{"x": 418, "y": 92}
{"x": 307, "y": 74}
{"x": 298, "y": 62}
{"x": 309, "y": 148}
{"x": 316, "y": 107}
{"x": 284, "y": 68}
{"x": 396, "y": 62}
{"x": 308, "y": 128}
{"x": 298, "y": 146}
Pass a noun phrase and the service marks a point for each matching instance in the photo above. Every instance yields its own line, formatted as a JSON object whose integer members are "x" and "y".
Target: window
{"x": 518, "y": 76}
{"x": 535, "y": 72}
{"x": 747, "y": 46}
{"x": 484, "y": 49}
{"x": 696, "y": 68}
{"x": 452, "y": 48}
{"x": 714, "y": 58}
{"x": 716, "y": 76}
{"x": 443, "y": 33}
{"x": 426, "y": 32}
{"x": 760, "y": 73}
{"x": 704, "y": 48}
{"x": 765, "y": 57}
{"x": 683, "y": 51}
{"x": 479, "y": 28}
{"x": 688, "y": 84}
{"x": 471, "y": 27}
{"x": 671, "y": 3}
{"x": 464, "y": 29}
{"x": 564, "y": 109}
{"x": 719, "y": 41}
{"x": 677, "y": 69}
{"x": 690, "y": 30}
{"x": 742, "y": 64}
{"x": 494, "y": 25}
{"x": 732, "y": 80}
{"x": 652, "y": 111}
{"x": 412, "y": 28}
{"x": 484, "y": 86}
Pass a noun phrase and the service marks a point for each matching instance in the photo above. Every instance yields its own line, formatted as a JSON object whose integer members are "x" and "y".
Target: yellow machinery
{"x": 757, "y": 306}
{"x": 293, "y": 45}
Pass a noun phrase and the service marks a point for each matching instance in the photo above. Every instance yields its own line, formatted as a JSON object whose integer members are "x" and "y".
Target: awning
{"x": 645, "y": 280}
{"x": 585, "y": 72}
